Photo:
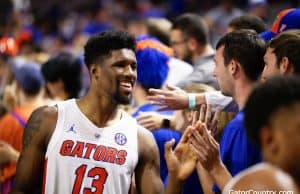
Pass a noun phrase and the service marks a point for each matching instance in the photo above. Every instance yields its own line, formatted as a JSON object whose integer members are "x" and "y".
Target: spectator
{"x": 247, "y": 21}
{"x": 28, "y": 86}
{"x": 63, "y": 76}
{"x": 189, "y": 39}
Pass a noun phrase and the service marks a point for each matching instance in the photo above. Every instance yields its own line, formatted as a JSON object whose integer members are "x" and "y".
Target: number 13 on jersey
{"x": 99, "y": 176}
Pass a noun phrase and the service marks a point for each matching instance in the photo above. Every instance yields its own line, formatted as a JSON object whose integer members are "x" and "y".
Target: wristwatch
{"x": 166, "y": 123}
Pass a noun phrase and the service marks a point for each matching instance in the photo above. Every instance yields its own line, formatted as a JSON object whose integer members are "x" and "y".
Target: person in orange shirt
{"x": 27, "y": 90}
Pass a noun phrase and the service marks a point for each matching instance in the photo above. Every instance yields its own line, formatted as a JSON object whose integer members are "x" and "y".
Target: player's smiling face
{"x": 118, "y": 75}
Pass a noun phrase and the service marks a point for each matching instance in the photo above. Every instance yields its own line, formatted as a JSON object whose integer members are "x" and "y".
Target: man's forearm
{"x": 220, "y": 175}
{"x": 206, "y": 180}
{"x": 174, "y": 186}
{"x": 200, "y": 99}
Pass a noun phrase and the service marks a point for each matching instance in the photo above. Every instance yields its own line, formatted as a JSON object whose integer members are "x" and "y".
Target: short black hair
{"x": 266, "y": 99}
{"x": 246, "y": 47}
{"x": 67, "y": 68}
{"x": 192, "y": 25}
{"x": 6, "y": 10}
{"x": 103, "y": 43}
{"x": 248, "y": 21}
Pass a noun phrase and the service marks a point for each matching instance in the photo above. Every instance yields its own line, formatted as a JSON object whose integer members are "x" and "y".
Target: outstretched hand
{"x": 201, "y": 139}
{"x": 182, "y": 160}
{"x": 205, "y": 147}
{"x": 172, "y": 99}
{"x": 208, "y": 154}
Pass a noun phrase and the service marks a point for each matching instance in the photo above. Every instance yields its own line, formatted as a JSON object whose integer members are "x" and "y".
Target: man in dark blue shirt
{"x": 239, "y": 62}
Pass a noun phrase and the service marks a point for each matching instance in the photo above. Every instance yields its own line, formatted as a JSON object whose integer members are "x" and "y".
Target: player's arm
{"x": 36, "y": 136}
{"x": 147, "y": 173}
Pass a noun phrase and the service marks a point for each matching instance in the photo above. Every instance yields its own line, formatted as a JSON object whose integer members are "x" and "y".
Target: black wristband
{"x": 166, "y": 123}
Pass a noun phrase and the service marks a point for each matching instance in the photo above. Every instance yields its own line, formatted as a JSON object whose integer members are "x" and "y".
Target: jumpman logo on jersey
{"x": 72, "y": 129}
{"x": 97, "y": 135}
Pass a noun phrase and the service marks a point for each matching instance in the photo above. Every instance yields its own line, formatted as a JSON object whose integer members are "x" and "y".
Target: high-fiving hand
{"x": 182, "y": 160}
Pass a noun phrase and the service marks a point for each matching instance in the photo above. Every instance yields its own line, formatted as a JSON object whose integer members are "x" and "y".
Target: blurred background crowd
{"x": 53, "y": 25}
{"x": 36, "y": 30}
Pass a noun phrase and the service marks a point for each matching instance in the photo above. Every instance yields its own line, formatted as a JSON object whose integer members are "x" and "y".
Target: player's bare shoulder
{"x": 146, "y": 142}
{"x": 144, "y": 136}
{"x": 41, "y": 124}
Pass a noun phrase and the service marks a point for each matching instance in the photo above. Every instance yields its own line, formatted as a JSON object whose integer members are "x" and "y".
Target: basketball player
{"x": 89, "y": 145}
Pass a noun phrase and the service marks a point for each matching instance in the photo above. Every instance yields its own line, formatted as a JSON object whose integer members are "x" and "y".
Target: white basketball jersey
{"x": 84, "y": 159}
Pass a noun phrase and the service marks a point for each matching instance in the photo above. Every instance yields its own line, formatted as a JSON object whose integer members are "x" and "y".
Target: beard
{"x": 122, "y": 99}
{"x": 188, "y": 58}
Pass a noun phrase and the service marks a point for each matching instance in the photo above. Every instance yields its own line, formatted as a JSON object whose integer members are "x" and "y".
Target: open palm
{"x": 182, "y": 160}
